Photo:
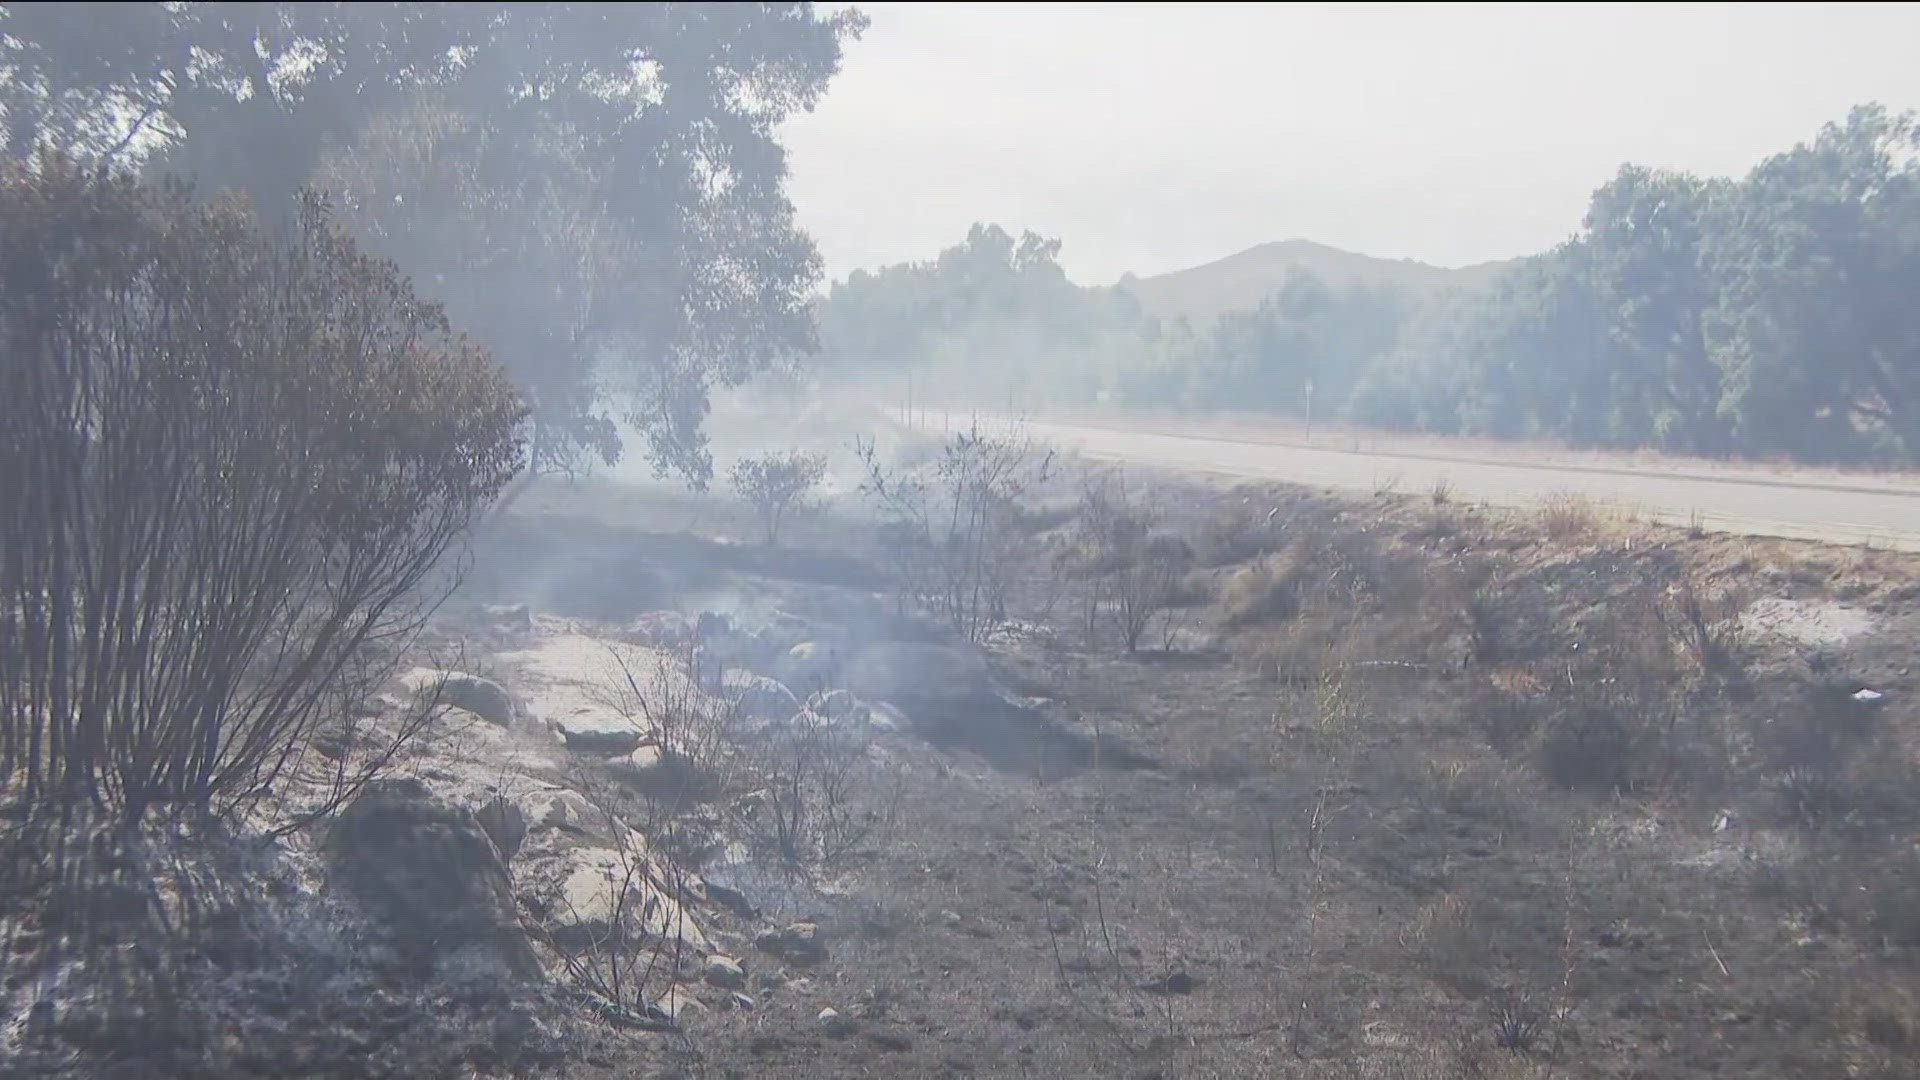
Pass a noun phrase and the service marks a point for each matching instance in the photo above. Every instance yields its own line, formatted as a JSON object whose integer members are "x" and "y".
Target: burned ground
{"x": 1480, "y": 815}
{"x": 1413, "y": 790}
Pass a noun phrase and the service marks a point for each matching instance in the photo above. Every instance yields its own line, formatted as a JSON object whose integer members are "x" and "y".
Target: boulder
{"x": 604, "y": 742}
{"x": 904, "y": 671}
{"x": 798, "y": 943}
{"x": 810, "y": 665}
{"x": 730, "y": 898}
{"x": 674, "y": 1008}
{"x": 607, "y": 897}
{"x": 665, "y": 630}
{"x": 725, "y": 973}
{"x": 1174, "y": 982}
{"x": 504, "y": 823}
{"x": 781, "y": 631}
{"x": 761, "y": 698}
{"x": 482, "y": 697}
{"x": 509, "y": 616}
{"x": 835, "y": 1024}
{"x": 426, "y": 872}
{"x": 838, "y": 705}
{"x": 569, "y": 812}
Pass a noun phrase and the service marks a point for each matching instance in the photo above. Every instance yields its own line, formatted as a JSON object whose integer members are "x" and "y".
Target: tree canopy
{"x": 649, "y": 128}
{"x": 1771, "y": 314}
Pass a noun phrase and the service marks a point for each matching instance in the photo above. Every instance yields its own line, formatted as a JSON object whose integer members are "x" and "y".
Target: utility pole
{"x": 1309, "y": 412}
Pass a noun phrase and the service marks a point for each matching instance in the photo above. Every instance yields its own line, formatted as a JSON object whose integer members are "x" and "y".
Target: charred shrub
{"x": 957, "y": 530}
{"x": 1568, "y": 517}
{"x": 1834, "y": 760}
{"x": 300, "y": 435}
{"x": 1592, "y": 745}
{"x": 822, "y": 797}
{"x": 1703, "y": 621}
{"x": 1620, "y": 712}
{"x": 1129, "y": 570}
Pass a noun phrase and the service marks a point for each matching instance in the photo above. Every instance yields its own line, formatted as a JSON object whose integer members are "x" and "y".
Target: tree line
{"x": 1773, "y": 314}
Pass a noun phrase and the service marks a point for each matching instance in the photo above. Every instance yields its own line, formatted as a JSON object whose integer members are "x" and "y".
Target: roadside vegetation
{"x": 1752, "y": 316}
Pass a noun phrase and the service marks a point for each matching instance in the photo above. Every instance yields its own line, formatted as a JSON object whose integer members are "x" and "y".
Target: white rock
{"x": 482, "y": 697}
{"x": 511, "y": 616}
{"x": 810, "y": 665}
{"x": 760, "y": 698}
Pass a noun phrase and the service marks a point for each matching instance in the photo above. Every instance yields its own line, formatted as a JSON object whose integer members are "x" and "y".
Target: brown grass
{"x": 1483, "y": 790}
{"x": 1566, "y": 516}
{"x": 1264, "y": 591}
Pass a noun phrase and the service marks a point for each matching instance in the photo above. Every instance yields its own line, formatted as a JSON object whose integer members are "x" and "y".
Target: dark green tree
{"x": 1815, "y": 330}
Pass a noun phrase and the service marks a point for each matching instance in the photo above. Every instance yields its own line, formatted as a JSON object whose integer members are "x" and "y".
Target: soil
{"x": 1426, "y": 792}
{"x": 1234, "y": 874}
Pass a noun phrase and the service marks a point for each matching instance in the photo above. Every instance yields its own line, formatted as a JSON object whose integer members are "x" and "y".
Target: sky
{"x": 1152, "y": 137}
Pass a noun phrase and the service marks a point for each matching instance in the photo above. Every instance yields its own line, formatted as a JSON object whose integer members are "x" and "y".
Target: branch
{"x": 140, "y": 123}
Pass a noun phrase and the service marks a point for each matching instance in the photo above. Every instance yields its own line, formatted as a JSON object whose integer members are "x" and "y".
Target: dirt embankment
{"x": 1396, "y": 787}
{"x": 1420, "y": 790}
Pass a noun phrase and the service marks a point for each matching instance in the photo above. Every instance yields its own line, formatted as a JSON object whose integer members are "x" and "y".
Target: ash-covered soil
{"x": 1458, "y": 823}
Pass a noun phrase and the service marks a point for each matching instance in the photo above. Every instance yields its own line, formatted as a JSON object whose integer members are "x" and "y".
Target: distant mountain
{"x": 1240, "y": 282}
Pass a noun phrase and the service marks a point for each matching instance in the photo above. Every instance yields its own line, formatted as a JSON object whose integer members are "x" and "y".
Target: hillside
{"x": 1239, "y": 282}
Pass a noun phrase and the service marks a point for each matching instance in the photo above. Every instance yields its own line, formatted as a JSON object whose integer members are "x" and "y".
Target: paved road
{"x": 1878, "y": 511}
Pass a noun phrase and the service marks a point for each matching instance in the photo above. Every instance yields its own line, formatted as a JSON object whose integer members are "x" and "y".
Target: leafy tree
{"x": 1764, "y": 315}
{"x": 994, "y": 311}
{"x": 508, "y": 229}
{"x": 1815, "y": 329}
{"x": 668, "y": 110}
{"x": 1641, "y": 248}
{"x": 776, "y": 485}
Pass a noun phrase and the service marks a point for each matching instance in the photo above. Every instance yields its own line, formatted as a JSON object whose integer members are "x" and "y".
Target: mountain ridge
{"x": 1238, "y": 282}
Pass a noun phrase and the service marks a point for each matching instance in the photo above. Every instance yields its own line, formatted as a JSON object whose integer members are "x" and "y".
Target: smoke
{"x": 775, "y": 414}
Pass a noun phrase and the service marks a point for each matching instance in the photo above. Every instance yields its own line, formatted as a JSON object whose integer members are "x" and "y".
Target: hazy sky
{"x": 1149, "y": 137}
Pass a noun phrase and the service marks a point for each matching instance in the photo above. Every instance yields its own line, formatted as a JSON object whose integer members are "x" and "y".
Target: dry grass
{"x": 1566, "y": 516}
{"x": 1236, "y": 533}
{"x": 1503, "y": 855}
{"x": 1452, "y": 944}
{"x": 1704, "y": 621}
{"x": 1266, "y": 590}
{"x": 1197, "y": 588}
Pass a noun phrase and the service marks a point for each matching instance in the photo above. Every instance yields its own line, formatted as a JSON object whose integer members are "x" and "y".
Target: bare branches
{"x": 1132, "y": 570}
{"x": 955, "y": 530}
